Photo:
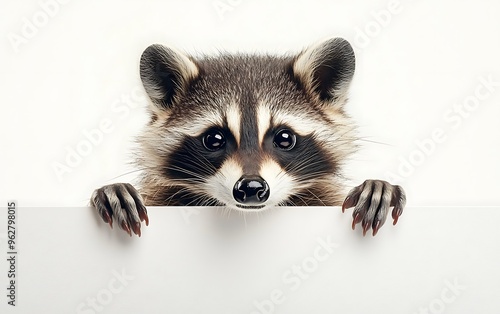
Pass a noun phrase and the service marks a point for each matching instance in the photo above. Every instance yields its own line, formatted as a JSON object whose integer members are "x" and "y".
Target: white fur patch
{"x": 263, "y": 121}
{"x": 199, "y": 124}
{"x": 233, "y": 116}
{"x": 189, "y": 69}
{"x": 221, "y": 184}
{"x": 307, "y": 61}
{"x": 310, "y": 59}
{"x": 186, "y": 68}
{"x": 280, "y": 183}
{"x": 301, "y": 125}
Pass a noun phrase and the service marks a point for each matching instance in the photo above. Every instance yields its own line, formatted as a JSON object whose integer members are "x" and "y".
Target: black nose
{"x": 251, "y": 190}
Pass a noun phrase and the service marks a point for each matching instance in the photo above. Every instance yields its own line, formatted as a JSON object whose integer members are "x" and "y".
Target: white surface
{"x": 204, "y": 263}
{"x": 416, "y": 66}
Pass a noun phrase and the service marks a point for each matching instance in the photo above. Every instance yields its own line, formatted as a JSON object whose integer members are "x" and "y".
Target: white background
{"x": 410, "y": 72}
{"x": 417, "y": 61}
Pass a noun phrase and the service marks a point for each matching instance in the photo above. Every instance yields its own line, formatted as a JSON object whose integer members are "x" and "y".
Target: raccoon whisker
{"x": 304, "y": 162}
{"x": 312, "y": 177}
{"x": 198, "y": 200}
{"x": 195, "y": 177}
{"x": 190, "y": 183}
{"x": 221, "y": 211}
{"x": 126, "y": 173}
{"x": 343, "y": 139}
{"x": 348, "y": 142}
{"x": 306, "y": 200}
{"x": 201, "y": 169}
{"x": 286, "y": 203}
{"x": 168, "y": 200}
{"x": 308, "y": 197}
{"x": 181, "y": 182}
{"x": 228, "y": 211}
{"x": 205, "y": 199}
{"x": 298, "y": 195}
{"x": 342, "y": 136}
{"x": 188, "y": 172}
{"x": 200, "y": 197}
{"x": 225, "y": 212}
{"x": 195, "y": 201}
{"x": 133, "y": 171}
{"x": 245, "y": 219}
{"x": 373, "y": 142}
{"x": 310, "y": 166}
{"x": 203, "y": 165}
{"x": 315, "y": 196}
{"x": 202, "y": 159}
{"x": 259, "y": 216}
{"x": 177, "y": 186}
{"x": 156, "y": 193}
{"x": 210, "y": 201}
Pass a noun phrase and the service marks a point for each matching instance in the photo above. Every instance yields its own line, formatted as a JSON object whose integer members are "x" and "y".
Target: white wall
{"x": 68, "y": 68}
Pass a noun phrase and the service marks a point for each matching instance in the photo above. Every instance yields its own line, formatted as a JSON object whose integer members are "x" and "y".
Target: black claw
{"x": 396, "y": 212}
{"x": 136, "y": 227}
{"x": 110, "y": 223}
{"x": 348, "y": 203}
{"x": 104, "y": 215}
{"x": 126, "y": 227}
{"x": 366, "y": 227}
{"x": 357, "y": 218}
{"x": 376, "y": 227}
{"x": 143, "y": 214}
{"x": 352, "y": 197}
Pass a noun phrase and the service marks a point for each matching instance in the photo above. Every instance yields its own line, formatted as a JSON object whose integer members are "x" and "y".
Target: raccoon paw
{"x": 122, "y": 203}
{"x": 372, "y": 200}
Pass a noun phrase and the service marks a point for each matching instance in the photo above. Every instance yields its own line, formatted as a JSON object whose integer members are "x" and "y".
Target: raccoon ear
{"x": 166, "y": 74}
{"x": 326, "y": 69}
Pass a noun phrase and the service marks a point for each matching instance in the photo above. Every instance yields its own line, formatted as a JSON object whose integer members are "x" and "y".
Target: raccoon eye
{"x": 214, "y": 140}
{"x": 284, "y": 140}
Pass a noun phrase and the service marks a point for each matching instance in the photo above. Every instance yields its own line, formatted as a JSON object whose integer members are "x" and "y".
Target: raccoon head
{"x": 246, "y": 131}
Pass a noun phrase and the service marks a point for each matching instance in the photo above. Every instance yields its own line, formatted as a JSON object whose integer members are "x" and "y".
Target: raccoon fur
{"x": 247, "y": 132}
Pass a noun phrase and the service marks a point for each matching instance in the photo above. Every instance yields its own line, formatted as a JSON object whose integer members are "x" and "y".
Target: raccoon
{"x": 248, "y": 132}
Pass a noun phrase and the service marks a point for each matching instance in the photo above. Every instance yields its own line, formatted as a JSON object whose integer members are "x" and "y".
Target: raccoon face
{"x": 244, "y": 131}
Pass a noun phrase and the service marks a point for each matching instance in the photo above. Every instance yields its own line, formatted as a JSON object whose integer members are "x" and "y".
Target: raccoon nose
{"x": 251, "y": 190}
